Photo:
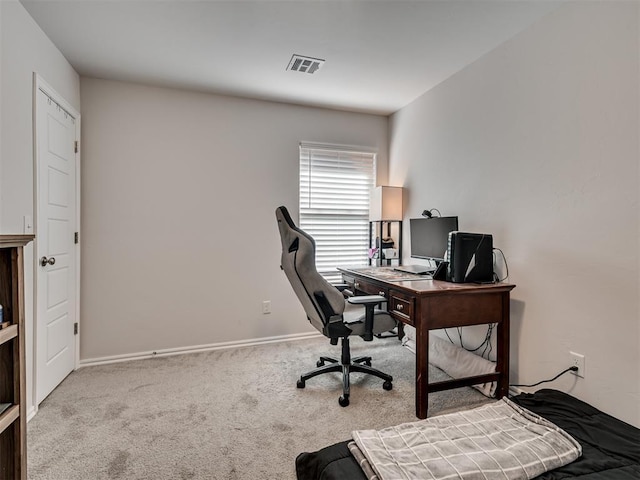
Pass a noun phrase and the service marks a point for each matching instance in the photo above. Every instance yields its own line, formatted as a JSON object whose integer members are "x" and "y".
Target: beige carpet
{"x": 227, "y": 414}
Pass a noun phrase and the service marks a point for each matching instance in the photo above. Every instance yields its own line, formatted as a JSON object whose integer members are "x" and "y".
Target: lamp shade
{"x": 386, "y": 204}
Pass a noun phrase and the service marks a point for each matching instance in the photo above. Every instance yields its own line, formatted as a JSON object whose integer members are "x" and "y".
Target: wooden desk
{"x": 432, "y": 304}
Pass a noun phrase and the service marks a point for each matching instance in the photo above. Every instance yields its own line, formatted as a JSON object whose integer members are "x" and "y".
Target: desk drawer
{"x": 371, "y": 289}
{"x": 362, "y": 287}
{"x": 350, "y": 282}
{"x": 401, "y": 307}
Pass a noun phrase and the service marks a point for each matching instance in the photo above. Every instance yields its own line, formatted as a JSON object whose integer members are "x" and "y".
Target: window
{"x": 335, "y": 185}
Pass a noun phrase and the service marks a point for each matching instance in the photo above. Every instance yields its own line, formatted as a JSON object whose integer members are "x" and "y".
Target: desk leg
{"x": 422, "y": 369}
{"x": 503, "y": 344}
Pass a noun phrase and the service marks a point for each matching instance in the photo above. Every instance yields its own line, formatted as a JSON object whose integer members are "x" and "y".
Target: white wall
{"x": 25, "y": 49}
{"x": 537, "y": 143}
{"x": 179, "y": 191}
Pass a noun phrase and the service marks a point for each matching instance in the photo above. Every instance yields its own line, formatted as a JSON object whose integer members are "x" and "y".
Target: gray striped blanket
{"x": 496, "y": 441}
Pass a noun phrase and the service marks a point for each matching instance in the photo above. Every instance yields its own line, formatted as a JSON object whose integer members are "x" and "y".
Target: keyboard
{"x": 417, "y": 269}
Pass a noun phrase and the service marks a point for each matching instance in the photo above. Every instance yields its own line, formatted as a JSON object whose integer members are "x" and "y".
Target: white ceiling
{"x": 380, "y": 55}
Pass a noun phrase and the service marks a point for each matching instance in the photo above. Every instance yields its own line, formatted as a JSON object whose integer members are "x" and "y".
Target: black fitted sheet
{"x": 610, "y": 447}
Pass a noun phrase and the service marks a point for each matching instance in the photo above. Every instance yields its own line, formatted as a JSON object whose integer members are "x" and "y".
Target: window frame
{"x": 341, "y": 232}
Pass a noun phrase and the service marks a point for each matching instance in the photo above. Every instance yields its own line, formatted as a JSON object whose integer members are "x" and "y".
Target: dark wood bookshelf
{"x": 13, "y": 414}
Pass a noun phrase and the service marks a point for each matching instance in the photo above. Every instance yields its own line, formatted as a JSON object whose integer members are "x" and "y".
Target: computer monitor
{"x": 429, "y": 236}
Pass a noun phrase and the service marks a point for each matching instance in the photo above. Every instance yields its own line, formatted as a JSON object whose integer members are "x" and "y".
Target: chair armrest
{"x": 366, "y": 299}
{"x": 369, "y": 302}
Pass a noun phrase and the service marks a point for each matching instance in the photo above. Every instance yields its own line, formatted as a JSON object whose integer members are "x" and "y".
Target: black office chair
{"x": 327, "y": 309}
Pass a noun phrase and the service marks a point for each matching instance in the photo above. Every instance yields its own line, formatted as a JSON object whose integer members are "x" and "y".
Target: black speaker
{"x": 470, "y": 257}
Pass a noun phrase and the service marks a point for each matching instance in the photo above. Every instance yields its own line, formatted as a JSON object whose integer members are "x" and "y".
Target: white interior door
{"x": 55, "y": 246}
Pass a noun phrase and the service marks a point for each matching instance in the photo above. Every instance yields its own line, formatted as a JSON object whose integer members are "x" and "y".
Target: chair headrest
{"x": 289, "y": 232}
{"x": 286, "y": 217}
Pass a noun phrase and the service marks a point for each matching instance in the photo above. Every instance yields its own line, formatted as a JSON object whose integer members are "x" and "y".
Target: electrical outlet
{"x": 27, "y": 224}
{"x": 266, "y": 307}
{"x": 577, "y": 360}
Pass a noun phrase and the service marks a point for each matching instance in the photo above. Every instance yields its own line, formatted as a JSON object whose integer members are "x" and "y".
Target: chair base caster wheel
{"x": 300, "y": 383}
{"x": 319, "y": 363}
{"x": 344, "y": 400}
{"x": 387, "y": 385}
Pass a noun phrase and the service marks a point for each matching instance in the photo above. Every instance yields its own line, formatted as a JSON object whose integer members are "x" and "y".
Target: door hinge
{"x": 76, "y": 146}
{"x": 75, "y": 328}
{"x": 76, "y": 236}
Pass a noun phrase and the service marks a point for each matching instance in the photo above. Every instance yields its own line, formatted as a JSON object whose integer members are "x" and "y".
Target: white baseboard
{"x": 194, "y": 349}
{"x": 31, "y": 412}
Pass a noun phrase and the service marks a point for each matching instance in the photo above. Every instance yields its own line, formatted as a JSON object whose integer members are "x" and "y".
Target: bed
{"x": 610, "y": 447}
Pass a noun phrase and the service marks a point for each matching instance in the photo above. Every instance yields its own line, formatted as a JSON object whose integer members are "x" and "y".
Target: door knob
{"x": 45, "y": 260}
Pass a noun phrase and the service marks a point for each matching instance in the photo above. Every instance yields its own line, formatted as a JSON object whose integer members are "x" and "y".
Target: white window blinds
{"x": 335, "y": 184}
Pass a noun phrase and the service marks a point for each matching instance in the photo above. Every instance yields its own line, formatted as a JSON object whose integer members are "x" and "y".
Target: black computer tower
{"x": 470, "y": 257}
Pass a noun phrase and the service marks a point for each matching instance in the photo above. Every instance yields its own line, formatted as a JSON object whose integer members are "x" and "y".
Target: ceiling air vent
{"x": 298, "y": 63}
